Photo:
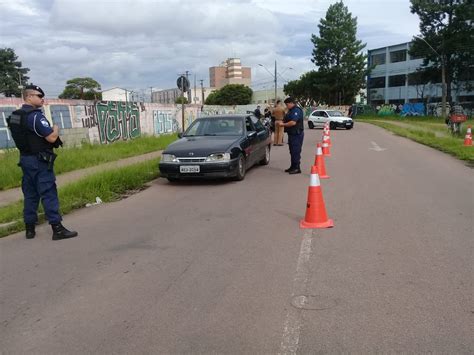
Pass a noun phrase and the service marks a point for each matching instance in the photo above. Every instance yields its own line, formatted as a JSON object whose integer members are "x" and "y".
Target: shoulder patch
{"x": 44, "y": 122}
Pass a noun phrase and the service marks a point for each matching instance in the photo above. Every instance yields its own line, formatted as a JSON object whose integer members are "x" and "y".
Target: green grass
{"x": 423, "y": 130}
{"x": 110, "y": 185}
{"x": 87, "y": 155}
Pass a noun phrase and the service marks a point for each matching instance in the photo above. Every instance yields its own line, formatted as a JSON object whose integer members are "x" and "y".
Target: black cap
{"x": 289, "y": 100}
{"x": 34, "y": 87}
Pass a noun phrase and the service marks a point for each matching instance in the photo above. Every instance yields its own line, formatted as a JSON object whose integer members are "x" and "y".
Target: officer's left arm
{"x": 295, "y": 116}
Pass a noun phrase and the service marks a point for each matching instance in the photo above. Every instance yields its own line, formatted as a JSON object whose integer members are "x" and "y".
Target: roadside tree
{"x": 12, "y": 74}
{"x": 82, "y": 88}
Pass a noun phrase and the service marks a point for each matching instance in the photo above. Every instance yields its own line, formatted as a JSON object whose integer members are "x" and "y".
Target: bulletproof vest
{"x": 299, "y": 127}
{"x": 26, "y": 141}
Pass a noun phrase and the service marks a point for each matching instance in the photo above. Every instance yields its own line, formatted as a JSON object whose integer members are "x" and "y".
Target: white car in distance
{"x": 336, "y": 119}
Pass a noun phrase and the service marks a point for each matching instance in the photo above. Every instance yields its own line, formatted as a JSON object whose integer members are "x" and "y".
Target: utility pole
{"x": 202, "y": 91}
{"x": 275, "y": 82}
{"x": 189, "y": 89}
{"x": 195, "y": 93}
{"x": 151, "y": 94}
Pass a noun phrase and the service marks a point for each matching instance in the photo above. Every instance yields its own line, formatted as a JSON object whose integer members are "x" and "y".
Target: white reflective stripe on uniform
{"x": 314, "y": 180}
{"x": 34, "y": 126}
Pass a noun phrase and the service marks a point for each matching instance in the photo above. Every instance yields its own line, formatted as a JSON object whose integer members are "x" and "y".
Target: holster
{"x": 47, "y": 157}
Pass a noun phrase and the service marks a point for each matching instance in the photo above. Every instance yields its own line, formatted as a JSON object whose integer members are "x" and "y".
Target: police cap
{"x": 289, "y": 100}
{"x": 35, "y": 87}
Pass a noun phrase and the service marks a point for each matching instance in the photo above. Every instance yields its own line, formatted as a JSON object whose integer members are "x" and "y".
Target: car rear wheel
{"x": 240, "y": 168}
{"x": 172, "y": 179}
{"x": 332, "y": 125}
{"x": 266, "y": 158}
{"x": 310, "y": 125}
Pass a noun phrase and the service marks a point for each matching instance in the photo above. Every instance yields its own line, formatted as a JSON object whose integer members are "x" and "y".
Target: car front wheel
{"x": 240, "y": 168}
{"x": 332, "y": 125}
{"x": 310, "y": 125}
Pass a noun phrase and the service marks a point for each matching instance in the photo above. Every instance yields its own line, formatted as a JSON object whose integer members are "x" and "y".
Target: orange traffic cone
{"x": 326, "y": 151}
{"x": 319, "y": 163}
{"x": 468, "y": 137}
{"x": 327, "y": 139}
{"x": 316, "y": 216}
{"x": 326, "y": 128}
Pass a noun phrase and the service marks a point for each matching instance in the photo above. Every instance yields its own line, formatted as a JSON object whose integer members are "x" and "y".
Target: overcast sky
{"x": 135, "y": 44}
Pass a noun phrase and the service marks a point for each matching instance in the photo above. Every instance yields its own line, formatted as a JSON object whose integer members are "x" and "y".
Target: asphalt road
{"x": 222, "y": 267}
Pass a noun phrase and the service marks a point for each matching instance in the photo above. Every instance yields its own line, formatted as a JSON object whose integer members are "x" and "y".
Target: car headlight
{"x": 219, "y": 157}
{"x": 168, "y": 158}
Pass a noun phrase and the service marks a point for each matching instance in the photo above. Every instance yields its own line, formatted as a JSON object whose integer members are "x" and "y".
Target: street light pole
{"x": 274, "y": 102}
{"x": 443, "y": 77}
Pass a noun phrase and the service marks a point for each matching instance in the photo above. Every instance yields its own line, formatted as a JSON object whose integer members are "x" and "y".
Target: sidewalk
{"x": 12, "y": 195}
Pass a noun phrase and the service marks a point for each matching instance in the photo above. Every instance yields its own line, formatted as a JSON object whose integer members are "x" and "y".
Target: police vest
{"x": 26, "y": 141}
{"x": 296, "y": 129}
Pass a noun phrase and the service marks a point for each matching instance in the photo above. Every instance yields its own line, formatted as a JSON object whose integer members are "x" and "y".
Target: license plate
{"x": 348, "y": 123}
{"x": 189, "y": 169}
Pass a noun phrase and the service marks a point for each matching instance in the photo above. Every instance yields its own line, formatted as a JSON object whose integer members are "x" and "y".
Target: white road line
{"x": 376, "y": 147}
{"x": 293, "y": 323}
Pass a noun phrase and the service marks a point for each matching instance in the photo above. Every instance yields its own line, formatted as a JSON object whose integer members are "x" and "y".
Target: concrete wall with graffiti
{"x": 105, "y": 122}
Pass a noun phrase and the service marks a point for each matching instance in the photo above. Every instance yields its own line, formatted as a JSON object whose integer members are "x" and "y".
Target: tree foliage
{"x": 447, "y": 25}
{"x": 81, "y": 88}
{"x": 231, "y": 94}
{"x": 308, "y": 89}
{"x": 12, "y": 74}
{"x": 181, "y": 99}
{"x": 338, "y": 55}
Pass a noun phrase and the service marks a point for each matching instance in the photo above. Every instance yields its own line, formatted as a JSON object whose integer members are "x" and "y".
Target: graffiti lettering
{"x": 90, "y": 119}
{"x": 163, "y": 122}
{"x": 118, "y": 120}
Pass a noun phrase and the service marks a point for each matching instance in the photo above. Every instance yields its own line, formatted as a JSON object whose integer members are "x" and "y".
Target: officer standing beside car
{"x": 35, "y": 139}
{"x": 293, "y": 126}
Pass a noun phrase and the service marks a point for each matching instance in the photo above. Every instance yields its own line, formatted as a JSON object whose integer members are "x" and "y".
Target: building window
{"x": 396, "y": 80}
{"x": 398, "y": 56}
{"x": 378, "y": 59}
{"x": 375, "y": 83}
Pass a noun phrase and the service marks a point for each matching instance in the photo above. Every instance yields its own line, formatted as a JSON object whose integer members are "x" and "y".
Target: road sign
{"x": 183, "y": 83}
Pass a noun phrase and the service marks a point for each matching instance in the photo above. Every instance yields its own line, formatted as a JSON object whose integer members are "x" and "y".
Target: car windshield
{"x": 216, "y": 126}
{"x": 334, "y": 113}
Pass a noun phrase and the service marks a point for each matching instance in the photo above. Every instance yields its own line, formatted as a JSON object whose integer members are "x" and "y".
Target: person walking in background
{"x": 35, "y": 139}
{"x": 278, "y": 113}
{"x": 293, "y": 125}
{"x": 257, "y": 112}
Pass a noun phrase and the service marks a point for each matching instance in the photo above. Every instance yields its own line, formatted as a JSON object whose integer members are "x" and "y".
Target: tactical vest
{"x": 299, "y": 127}
{"x": 27, "y": 141}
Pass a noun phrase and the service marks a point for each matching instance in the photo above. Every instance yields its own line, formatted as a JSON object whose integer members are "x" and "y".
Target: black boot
{"x": 61, "y": 232}
{"x": 30, "y": 231}
{"x": 287, "y": 170}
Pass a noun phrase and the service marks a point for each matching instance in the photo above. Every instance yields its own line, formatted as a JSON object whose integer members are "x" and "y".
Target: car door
{"x": 262, "y": 138}
{"x": 251, "y": 151}
{"x": 319, "y": 122}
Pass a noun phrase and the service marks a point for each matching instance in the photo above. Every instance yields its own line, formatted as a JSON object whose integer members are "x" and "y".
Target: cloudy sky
{"x": 138, "y": 44}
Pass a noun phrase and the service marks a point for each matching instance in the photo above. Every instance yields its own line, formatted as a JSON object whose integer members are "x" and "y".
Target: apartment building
{"x": 229, "y": 72}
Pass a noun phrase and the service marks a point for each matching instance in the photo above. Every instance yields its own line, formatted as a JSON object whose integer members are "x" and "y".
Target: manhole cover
{"x": 313, "y": 302}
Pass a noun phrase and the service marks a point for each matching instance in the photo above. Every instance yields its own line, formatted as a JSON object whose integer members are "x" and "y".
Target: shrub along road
{"x": 222, "y": 267}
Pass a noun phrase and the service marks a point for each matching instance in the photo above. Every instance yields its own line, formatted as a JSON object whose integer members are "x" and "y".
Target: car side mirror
{"x": 180, "y": 134}
{"x": 251, "y": 134}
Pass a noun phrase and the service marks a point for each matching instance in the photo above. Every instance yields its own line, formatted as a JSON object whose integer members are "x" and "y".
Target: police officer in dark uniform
{"x": 35, "y": 139}
{"x": 293, "y": 124}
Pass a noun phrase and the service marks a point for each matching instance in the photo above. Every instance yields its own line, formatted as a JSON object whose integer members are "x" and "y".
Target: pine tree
{"x": 338, "y": 54}
{"x": 12, "y": 75}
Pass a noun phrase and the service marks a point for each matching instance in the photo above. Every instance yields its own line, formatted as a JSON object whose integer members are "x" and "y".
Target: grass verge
{"x": 87, "y": 155}
{"x": 110, "y": 185}
{"x": 448, "y": 144}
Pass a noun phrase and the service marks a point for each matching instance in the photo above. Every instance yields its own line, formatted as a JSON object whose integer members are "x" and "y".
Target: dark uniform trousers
{"x": 295, "y": 141}
{"x": 38, "y": 183}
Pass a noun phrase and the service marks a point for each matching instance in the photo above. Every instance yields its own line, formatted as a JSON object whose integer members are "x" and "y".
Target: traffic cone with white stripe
{"x": 319, "y": 162}
{"x": 468, "y": 137}
{"x": 326, "y": 128}
{"x": 326, "y": 151}
{"x": 327, "y": 139}
{"x": 316, "y": 216}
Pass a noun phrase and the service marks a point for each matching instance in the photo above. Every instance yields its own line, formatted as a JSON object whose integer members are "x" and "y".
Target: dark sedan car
{"x": 217, "y": 147}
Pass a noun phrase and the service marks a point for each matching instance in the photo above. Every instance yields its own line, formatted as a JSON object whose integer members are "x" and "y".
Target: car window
{"x": 319, "y": 113}
{"x": 216, "y": 126}
{"x": 324, "y": 114}
{"x": 335, "y": 113}
{"x": 258, "y": 124}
